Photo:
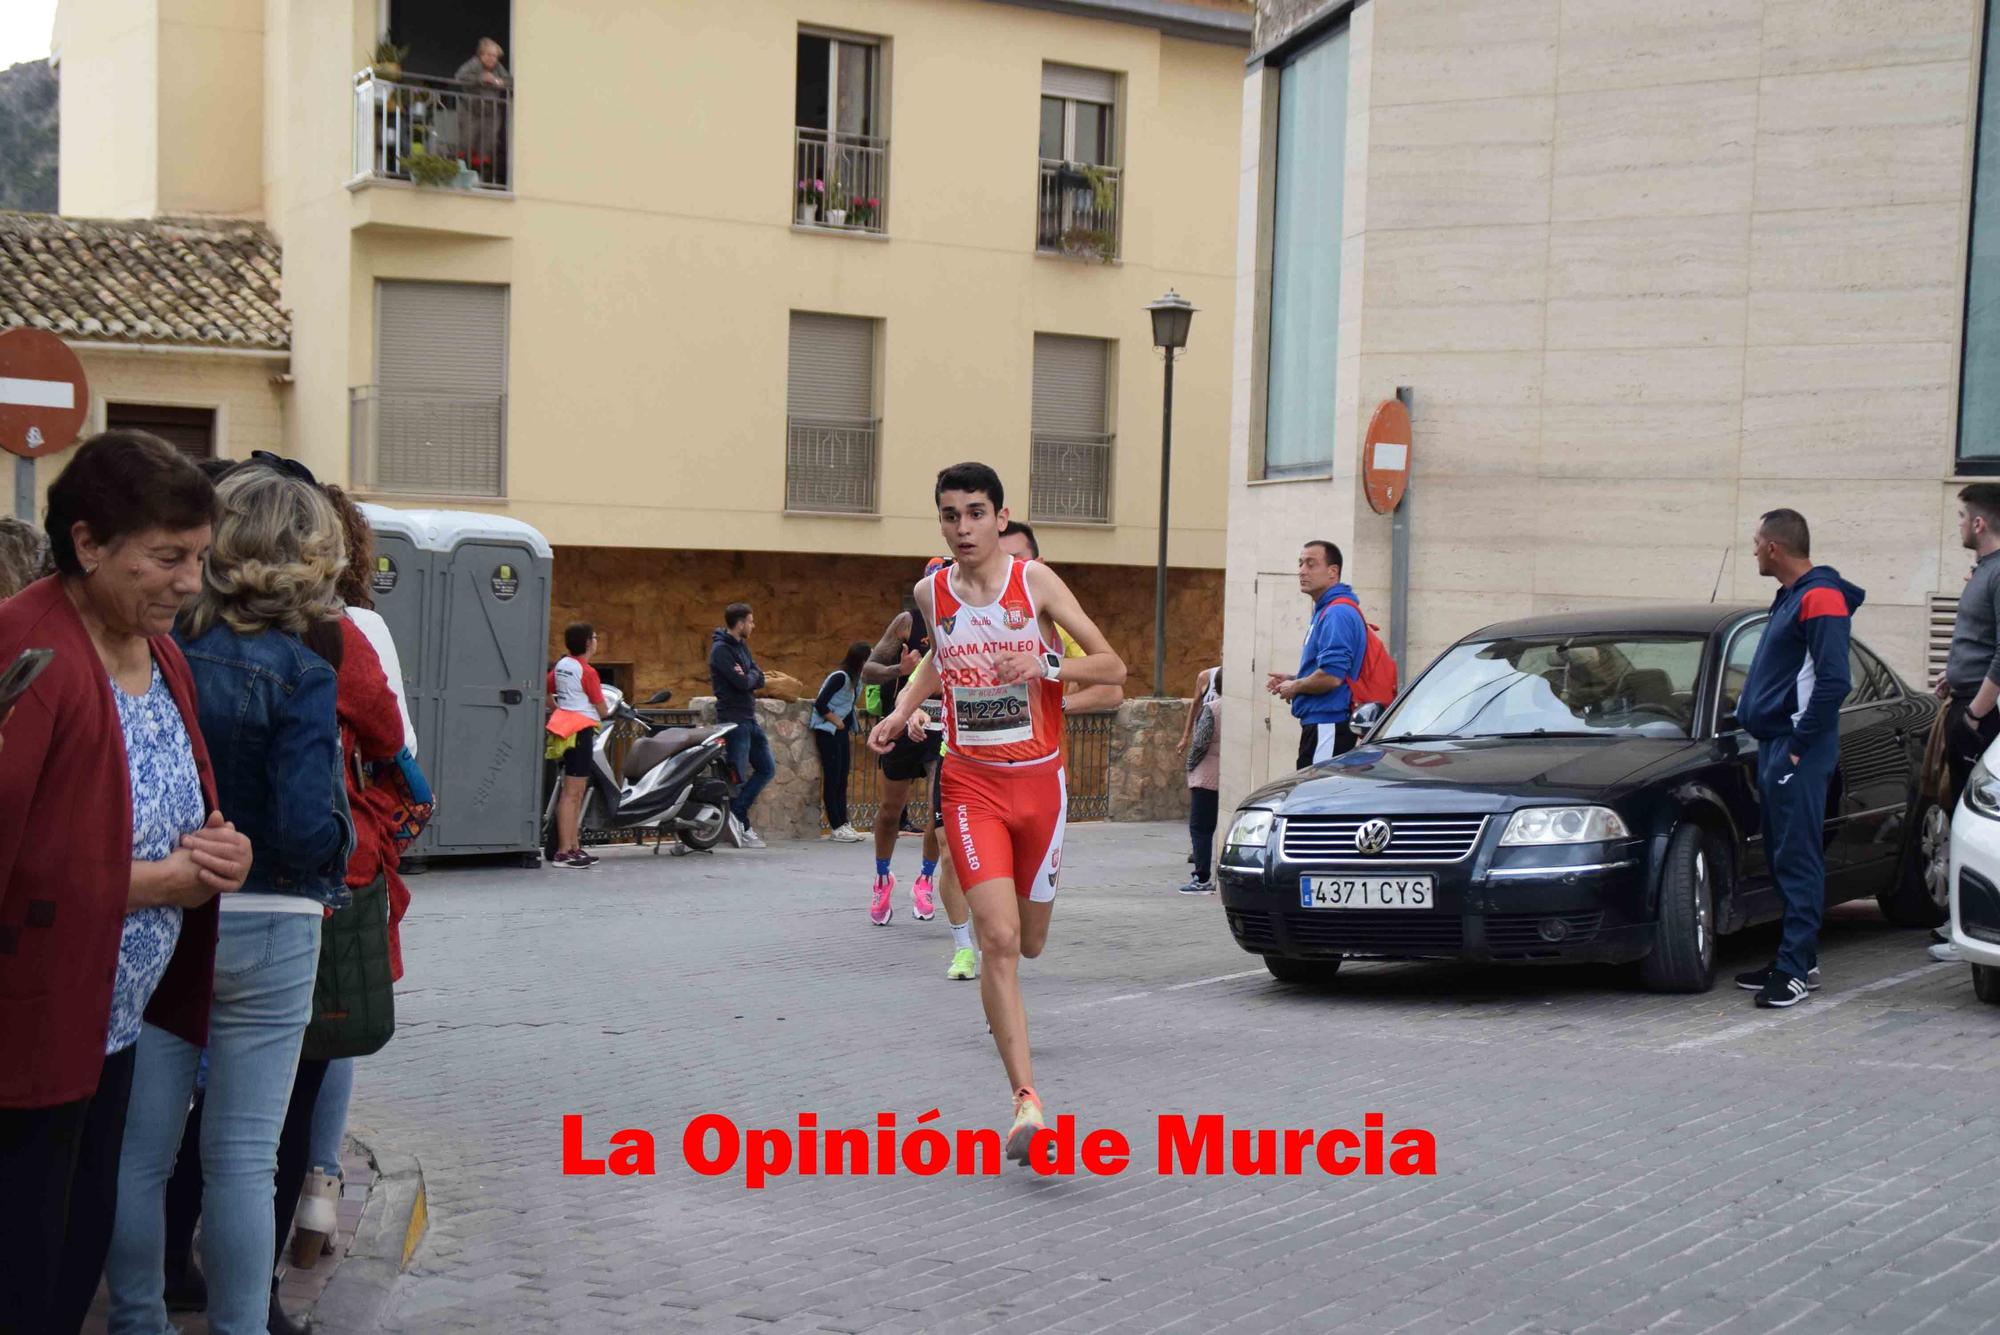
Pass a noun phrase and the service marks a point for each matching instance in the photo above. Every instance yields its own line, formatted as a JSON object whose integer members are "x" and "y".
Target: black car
{"x": 1574, "y": 788}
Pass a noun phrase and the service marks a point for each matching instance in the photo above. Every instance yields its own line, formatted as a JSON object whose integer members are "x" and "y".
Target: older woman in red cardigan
{"x": 107, "y": 905}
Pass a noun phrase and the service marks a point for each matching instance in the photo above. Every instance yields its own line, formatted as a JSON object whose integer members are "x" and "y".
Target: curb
{"x": 392, "y": 1224}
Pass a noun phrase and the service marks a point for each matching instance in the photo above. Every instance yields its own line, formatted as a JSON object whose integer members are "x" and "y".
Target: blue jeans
{"x": 750, "y": 757}
{"x": 329, "y": 1127}
{"x": 265, "y": 964}
{"x": 1794, "y": 801}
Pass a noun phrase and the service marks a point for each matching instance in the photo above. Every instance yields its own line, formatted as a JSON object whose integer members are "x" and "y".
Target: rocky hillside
{"x": 28, "y": 137}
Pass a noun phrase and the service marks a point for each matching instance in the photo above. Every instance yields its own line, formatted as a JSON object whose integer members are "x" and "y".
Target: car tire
{"x": 1921, "y": 896}
{"x": 1986, "y": 983}
{"x": 1309, "y": 973}
{"x": 1683, "y": 958}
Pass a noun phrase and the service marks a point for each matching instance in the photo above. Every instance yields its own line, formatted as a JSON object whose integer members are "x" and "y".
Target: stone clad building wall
{"x": 656, "y": 610}
{"x": 1650, "y": 271}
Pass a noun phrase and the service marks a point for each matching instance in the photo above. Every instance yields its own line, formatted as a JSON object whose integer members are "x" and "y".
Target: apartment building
{"x": 707, "y": 292}
{"x": 1649, "y": 271}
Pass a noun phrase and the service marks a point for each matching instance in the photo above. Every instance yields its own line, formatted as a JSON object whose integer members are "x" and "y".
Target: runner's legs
{"x": 889, "y": 815}
{"x": 996, "y": 920}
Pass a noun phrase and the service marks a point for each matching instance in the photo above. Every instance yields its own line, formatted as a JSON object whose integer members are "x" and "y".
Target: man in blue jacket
{"x": 736, "y": 679}
{"x": 1791, "y": 705}
{"x": 1321, "y": 691}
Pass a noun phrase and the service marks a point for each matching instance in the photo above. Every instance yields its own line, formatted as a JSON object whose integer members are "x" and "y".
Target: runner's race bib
{"x": 992, "y": 715}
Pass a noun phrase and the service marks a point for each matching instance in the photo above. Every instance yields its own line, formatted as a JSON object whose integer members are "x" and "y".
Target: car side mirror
{"x": 1728, "y": 723}
{"x": 1365, "y": 717}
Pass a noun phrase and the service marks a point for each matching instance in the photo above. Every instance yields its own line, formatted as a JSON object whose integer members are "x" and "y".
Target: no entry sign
{"x": 1385, "y": 456}
{"x": 43, "y": 394}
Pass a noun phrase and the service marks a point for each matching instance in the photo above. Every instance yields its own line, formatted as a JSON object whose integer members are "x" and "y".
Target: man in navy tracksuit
{"x": 1791, "y": 705}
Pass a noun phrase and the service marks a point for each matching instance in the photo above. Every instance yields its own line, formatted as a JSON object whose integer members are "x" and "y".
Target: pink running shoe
{"x": 880, "y": 910}
{"x": 923, "y": 900}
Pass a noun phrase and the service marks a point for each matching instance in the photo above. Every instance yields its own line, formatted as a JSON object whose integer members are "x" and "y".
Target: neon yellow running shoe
{"x": 964, "y": 966}
{"x": 1027, "y": 1121}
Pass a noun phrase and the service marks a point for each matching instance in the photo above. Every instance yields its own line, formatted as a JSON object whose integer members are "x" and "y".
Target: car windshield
{"x": 1570, "y": 686}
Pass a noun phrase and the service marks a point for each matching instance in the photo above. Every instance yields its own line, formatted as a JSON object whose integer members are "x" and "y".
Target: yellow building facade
{"x": 622, "y": 324}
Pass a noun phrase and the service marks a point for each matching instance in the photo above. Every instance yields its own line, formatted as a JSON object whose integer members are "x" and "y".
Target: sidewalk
{"x": 302, "y": 1288}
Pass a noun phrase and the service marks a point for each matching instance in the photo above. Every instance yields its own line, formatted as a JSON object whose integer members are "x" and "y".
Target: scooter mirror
{"x": 659, "y": 697}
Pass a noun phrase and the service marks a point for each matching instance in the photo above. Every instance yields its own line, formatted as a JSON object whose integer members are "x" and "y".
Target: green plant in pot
{"x": 427, "y": 168}
{"x": 388, "y": 58}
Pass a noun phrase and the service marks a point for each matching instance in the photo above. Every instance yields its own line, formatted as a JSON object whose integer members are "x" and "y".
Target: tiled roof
{"x": 188, "y": 282}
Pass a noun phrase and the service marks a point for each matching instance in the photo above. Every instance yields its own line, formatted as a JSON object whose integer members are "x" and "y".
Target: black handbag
{"x": 354, "y": 998}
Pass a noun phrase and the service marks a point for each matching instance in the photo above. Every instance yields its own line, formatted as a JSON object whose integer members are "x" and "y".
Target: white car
{"x": 1975, "y": 876}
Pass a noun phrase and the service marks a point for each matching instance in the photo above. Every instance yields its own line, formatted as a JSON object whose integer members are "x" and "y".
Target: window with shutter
{"x": 831, "y": 423}
{"x": 436, "y": 415}
{"x": 189, "y": 430}
{"x": 1080, "y": 181}
{"x": 1069, "y": 471}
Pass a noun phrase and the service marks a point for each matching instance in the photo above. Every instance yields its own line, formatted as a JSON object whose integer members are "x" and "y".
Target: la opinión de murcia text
{"x": 1203, "y": 1145}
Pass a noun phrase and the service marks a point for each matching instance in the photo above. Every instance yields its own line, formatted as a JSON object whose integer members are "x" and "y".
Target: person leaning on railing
{"x": 482, "y": 120}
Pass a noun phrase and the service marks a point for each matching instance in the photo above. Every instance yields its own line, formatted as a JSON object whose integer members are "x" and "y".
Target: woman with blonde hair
{"x": 266, "y": 707}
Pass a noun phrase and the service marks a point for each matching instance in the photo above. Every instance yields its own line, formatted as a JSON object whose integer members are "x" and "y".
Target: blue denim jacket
{"x": 266, "y": 704}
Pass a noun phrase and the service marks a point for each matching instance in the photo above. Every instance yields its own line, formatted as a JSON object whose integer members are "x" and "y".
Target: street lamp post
{"x": 1172, "y": 314}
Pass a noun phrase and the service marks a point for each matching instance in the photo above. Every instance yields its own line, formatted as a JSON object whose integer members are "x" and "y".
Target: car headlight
{"x": 1251, "y": 829}
{"x": 1982, "y": 792}
{"x": 1563, "y": 825}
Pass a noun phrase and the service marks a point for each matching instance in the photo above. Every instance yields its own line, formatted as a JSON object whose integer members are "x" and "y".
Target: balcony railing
{"x": 830, "y": 464}
{"x": 840, "y": 181}
{"x": 1076, "y": 211}
{"x": 414, "y": 127}
{"x": 438, "y": 444}
{"x": 1069, "y": 478}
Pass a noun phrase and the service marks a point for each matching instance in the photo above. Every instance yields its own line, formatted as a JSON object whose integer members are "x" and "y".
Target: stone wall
{"x": 655, "y": 610}
{"x": 1147, "y": 778}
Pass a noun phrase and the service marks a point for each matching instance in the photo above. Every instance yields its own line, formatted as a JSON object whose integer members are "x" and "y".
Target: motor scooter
{"x": 673, "y": 780}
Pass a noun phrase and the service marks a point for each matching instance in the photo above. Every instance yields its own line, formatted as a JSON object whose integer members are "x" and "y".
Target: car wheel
{"x": 1921, "y": 896}
{"x": 1986, "y": 983}
{"x": 1307, "y": 972}
{"x": 1683, "y": 958}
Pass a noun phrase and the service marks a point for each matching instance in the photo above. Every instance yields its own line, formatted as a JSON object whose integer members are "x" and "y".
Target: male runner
{"x": 994, "y": 625}
{"x": 1018, "y": 541}
{"x": 889, "y": 666}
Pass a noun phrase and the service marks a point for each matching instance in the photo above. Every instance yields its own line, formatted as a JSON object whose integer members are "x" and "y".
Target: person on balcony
{"x": 483, "y": 120}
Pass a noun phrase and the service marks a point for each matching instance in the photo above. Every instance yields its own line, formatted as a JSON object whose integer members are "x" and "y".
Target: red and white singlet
{"x": 1016, "y": 724}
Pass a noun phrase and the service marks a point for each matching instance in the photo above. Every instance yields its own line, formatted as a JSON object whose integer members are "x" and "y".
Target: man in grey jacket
{"x": 1970, "y": 684}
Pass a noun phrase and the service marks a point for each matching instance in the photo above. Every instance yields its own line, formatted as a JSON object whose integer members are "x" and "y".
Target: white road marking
{"x": 1813, "y": 1007}
{"x": 37, "y": 393}
{"x": 1176, "y": 987}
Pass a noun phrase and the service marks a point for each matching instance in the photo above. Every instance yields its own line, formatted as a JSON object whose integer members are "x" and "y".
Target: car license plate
{"x": 1365, "y": 892}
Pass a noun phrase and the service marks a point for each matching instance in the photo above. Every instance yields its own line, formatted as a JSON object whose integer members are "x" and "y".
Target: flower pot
{"x": 467, "y": 179}
{"x": 389, "y": 70}
{"x": 808, "y": 214}
{"x": 836, "y": 217}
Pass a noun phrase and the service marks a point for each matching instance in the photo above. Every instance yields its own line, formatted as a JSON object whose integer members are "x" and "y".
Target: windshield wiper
{"x": 1421, "y": 737}
{"x": 1545, "y": 732}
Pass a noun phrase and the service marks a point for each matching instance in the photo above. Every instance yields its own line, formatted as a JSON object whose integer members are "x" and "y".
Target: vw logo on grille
{"x": 1373, "y": 836}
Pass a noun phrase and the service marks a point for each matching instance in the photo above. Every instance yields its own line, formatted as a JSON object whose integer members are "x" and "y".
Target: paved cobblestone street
{"x": 1608, "y": 1160}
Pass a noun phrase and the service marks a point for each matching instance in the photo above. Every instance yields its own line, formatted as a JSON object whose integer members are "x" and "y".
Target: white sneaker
{"x": 747, "y": 838}
{"x": 847, "y": 834}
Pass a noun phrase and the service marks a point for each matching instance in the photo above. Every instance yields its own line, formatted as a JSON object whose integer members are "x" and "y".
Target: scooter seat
{"x": 648, "y": 752}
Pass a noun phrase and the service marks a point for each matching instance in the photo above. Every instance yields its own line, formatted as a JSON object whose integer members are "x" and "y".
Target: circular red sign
{"x": 1385, "y": 456}
{"x": 44, "y": 397}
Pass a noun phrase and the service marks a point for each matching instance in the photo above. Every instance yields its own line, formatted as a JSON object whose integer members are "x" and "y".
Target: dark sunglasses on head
{"x": 289, "y": 467}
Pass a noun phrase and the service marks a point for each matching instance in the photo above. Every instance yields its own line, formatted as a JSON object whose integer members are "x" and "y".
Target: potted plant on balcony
{"x": 428, "y": 168}
{"x": 811, "y": 195}
{"x": 863, "y": 212}
{"x": 388, "y": 60}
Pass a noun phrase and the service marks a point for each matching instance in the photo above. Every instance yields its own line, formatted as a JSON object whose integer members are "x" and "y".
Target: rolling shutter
{"x": 1081, "y": 84}
{"x": 441, "y": 387}
{"x": 1069, "y": 385}
{"x": 832, "y": 375}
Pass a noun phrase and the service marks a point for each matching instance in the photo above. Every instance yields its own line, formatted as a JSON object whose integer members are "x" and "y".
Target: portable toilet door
{"x": 400, "y": 584}
{"x": 491, "y": 582}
